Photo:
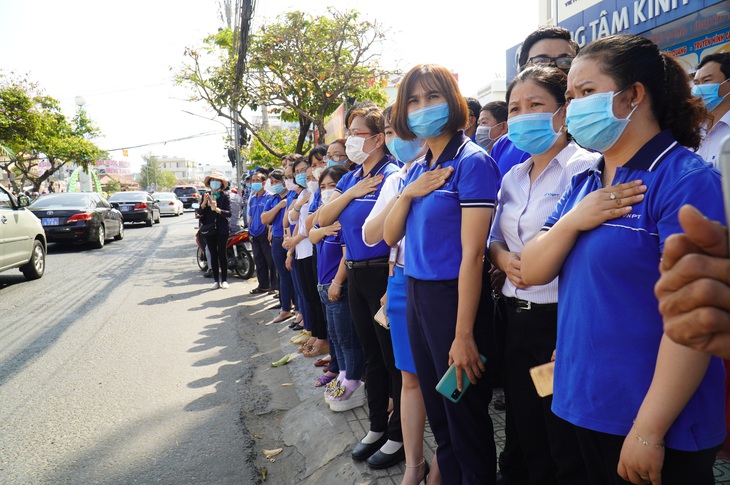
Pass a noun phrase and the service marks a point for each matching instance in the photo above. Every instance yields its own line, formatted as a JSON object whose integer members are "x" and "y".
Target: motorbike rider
{"x": 215, "y": 212}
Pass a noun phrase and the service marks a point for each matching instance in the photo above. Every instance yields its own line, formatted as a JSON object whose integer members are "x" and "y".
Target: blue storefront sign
{"x": 681, "y": 27}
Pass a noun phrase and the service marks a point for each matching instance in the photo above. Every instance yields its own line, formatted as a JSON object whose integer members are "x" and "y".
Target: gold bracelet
{"x": 644, "y": 442}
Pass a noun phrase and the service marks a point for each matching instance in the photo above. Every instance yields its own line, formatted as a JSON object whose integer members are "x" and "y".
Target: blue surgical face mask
{"x": 256, "y": 186}
{"x": 278, "y": 189}
{"x": 404, "y": 150}
{"x": 248, "y": 186}
{"x": 592, "y": 123}
{"x": 533, "y": 133}
{"x": 332, "y": 163}
{"x": 215, "y": 184}
{"x": 710, "y": 94}
{"x": 430, "y": 121}
{"x": 301, "y": 179}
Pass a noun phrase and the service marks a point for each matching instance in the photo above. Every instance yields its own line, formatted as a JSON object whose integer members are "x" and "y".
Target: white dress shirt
{"x": 709, "y": 149}
{"x": 524, "y": 208}
{"x": 304, "y": 248}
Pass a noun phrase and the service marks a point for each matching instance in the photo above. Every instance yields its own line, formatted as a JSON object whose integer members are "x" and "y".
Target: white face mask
{"x": 353, "y": 148}
{"x": 290, "y": 185}
{"x": 312, "y": 186}
{"x": 327, "y": 195}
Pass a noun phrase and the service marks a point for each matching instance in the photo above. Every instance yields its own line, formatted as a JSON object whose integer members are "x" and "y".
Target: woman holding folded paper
{"x": 530, "y": 192}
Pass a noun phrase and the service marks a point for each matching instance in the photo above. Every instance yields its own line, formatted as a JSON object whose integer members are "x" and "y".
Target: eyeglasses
{"x": 336, "y": 158}
{"x": 359, "y": 133}
{"x": 562, "y": 62}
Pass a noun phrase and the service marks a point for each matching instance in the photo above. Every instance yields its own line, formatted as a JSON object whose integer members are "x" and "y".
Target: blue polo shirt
{"x": 255, "y": 208}
{"x": 507, "y": 155}
{"x": 329, "y": 254}
{"x": 609, "y": 326}
{"x": 433, "y": 227}
{"x": 316, "y": 202}
{"x": 277, "y": 228}
{"x": 354, "y": 215}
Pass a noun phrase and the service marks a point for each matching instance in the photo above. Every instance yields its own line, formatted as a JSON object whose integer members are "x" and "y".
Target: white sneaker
{"x": 215, "y": 286}
{"x": 224, "y": 285}
{"x": 345, "y": 403}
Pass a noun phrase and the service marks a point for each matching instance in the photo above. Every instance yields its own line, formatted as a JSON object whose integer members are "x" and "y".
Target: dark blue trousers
{"x": 463, "y": 431}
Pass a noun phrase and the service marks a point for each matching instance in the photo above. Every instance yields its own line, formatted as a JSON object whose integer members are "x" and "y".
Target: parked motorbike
{"x": 238, "y": 251}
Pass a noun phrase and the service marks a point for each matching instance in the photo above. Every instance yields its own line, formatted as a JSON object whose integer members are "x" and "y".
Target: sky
{"x": 121, "y": 57}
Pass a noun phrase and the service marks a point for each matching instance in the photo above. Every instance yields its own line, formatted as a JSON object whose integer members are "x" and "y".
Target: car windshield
{"x": 62, "y": 200}
{"x": 185, "y": 191}
{"x": 128, "y": 196}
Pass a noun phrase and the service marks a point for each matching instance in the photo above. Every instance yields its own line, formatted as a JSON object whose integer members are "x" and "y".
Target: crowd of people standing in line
{"x": 505, "y": 237}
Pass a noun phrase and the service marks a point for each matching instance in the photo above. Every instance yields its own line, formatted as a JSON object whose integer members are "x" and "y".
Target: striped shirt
{"x": 524, "y": 208}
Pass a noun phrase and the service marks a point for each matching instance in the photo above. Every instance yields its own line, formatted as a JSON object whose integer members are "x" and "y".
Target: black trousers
{"x": 365, "y": 287}
{"x": 265, "y": 269}
{"x": 219, "y": 259}
{"x": 464, "y": 432}
{"x": 549, "y": 444}
{"x": 601, "y": 453}
{"x": 308, "y": 279}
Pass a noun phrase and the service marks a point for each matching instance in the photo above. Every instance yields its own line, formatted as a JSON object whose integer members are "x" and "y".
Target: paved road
{"x": 118, "y": 366}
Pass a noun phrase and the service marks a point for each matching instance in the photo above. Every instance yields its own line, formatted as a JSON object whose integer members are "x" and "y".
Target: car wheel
{"x": 101, "y": 238}
{"x": 157, "y": 221}
{"x": 149, "y": 221}
{"x": 120, "y": 236}
{"x": 35, "y": 268}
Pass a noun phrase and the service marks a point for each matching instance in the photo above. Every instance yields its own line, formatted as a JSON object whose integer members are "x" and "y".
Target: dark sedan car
{"x": 136, "y": 207}
{"x": 188, "y": 194}
{"x": 78, "y": 217}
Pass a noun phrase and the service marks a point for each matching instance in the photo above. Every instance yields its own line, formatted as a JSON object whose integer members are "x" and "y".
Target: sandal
{"x": 326, "y": 368}
{"x": 314, "y": 352}
{"x": 257, "y": 291}
{"x": 282, "y": 316}
{"x": 304, "y": 348}
{"x": 323, "y": 380}
{"x": 271, "y": 292}
{"x": 322, "y": 362}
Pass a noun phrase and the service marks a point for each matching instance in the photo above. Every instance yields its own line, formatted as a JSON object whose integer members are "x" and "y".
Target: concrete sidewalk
{"x": 291, "y": 414}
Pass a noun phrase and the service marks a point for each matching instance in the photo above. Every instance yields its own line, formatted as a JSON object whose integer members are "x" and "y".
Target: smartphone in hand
{"x": 447, "y": 386}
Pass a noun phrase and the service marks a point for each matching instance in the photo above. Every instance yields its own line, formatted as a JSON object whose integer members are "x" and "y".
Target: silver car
{"x": 22, "y": 239}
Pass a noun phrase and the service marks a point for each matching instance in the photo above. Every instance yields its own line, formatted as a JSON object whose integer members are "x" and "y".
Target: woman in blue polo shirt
{"x": 265, "y": 269}
{"x": 529, "y": 193}
{"x": 367, "y": 279}
{"x": 445, "y": 211}
{"x": 642, "y": 405}
{"x": 273, "y": 216}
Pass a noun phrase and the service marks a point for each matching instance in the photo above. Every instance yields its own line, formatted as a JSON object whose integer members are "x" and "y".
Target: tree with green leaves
{"x": 34, "y": 128}
{"x": 258, "y": 155}
{"x": 153, "y": 177}
{"x": 301, "y": 66}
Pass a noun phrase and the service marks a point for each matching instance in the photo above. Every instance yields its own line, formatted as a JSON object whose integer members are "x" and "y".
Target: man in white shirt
{"x": 712, "y": 84}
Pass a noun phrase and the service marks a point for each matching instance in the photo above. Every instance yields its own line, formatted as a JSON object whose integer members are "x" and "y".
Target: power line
{"x": 209, "y": 133}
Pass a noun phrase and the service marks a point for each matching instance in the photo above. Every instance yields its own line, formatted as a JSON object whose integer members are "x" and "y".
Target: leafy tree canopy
{"x": 258, "y": 156}
{"x": 34, "y": 128}
{"x": 301, "y": 66}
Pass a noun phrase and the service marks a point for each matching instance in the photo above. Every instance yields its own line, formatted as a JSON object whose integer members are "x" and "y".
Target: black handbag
{"x": 208, "y": 229}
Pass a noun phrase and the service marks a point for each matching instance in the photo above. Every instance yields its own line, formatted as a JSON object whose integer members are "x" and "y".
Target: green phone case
{"x": 447, "y": 385}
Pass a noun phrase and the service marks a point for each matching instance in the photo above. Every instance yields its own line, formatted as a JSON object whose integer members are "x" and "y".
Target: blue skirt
{"x": 396, "y": 310}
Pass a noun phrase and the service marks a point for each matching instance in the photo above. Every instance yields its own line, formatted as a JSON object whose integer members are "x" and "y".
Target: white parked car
{"x": 22, "y": 238}
{"x": 169, "y": 203}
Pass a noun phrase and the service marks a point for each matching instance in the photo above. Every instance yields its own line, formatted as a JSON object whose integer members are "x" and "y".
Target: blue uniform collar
{"x": 375, "y": 170}
{"x": 649, "y": 156}
{"x": 452, "y": 150}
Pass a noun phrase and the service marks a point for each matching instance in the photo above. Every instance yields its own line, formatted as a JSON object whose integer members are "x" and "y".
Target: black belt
{"x": 528, "y": 305}
{"x": 367, "y": 263}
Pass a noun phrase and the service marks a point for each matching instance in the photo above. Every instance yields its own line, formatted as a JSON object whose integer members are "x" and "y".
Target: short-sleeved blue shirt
{"x": 277, "y": 228}
{"x": 255, "y": 209}
{"x": 433, "y": 227}
{"x": 354, "y": 215}
{"x": 329, "y": 255}
{"x": 316, "y": 202}
{"x": 507, "y": 155}
{"x": 609, "y": 326}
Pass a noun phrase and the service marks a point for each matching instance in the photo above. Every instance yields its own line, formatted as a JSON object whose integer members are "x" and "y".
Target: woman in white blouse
{"x": 530, "y": 191}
